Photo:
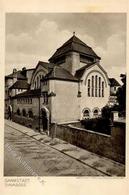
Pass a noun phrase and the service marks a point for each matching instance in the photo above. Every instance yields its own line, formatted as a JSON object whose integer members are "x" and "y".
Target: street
{"x": 43, "y": 160}
{"x": 29, "y": 153}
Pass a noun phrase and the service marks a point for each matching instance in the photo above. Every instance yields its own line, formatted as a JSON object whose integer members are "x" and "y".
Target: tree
{"x": 106, "y": 112}
{"x": 121, "y": 95}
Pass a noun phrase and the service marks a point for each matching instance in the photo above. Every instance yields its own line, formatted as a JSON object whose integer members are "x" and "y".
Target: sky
{"x": 31, "y": 37}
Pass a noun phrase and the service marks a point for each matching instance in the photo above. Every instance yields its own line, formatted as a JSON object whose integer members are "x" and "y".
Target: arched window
{"x": 102, "y": 89}
{"x": 30, "y": 113}
{"x": 92, "y": 86}
{"x": 18, "y": 112}
{"x": 96, "y": 87}
{"x": 88, "y": 87}
{"x": 37, "y": 82}
{"x": 41, "y": 77}
{"x": 99, "y": 86}
{"x": 86, "y": 113}
{"x": 24, "y": 112}
{"x": 96, "y": 113}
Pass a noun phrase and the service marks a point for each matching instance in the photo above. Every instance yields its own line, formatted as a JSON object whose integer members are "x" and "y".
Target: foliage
{"x": 106, "y": 112}
{"x": 121, "y": 94}
{"x": 101, "y": 125}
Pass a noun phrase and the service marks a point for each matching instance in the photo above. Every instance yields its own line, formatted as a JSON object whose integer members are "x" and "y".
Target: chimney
{"x": 14, "y": 70}
{"x": 23, "y": 71}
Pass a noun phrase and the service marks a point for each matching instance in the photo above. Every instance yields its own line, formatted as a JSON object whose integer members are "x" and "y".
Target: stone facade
{"x": 95, "y": 100}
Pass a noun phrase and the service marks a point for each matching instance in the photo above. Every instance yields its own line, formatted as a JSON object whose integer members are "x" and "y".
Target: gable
{"x": 39, "y": 68}
{"x": 114, "y": 82}
{"x": 39, "y": 73}
{"x": 95, "y": 69}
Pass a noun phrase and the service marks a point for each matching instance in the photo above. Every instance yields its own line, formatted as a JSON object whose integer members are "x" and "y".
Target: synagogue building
{"x": 71, "y": 86}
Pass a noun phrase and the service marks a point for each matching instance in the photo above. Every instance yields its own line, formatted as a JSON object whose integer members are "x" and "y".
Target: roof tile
{"x": 60, "y": 73}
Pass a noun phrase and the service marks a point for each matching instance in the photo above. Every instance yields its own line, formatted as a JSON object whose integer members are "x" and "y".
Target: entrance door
{"x": 44, "y": 120}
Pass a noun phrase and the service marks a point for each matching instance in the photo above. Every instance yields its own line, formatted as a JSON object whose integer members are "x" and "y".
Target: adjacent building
{"x": 114, "y": 85}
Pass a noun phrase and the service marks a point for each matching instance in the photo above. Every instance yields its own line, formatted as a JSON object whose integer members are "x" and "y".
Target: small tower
{"x": 74, "y": 54}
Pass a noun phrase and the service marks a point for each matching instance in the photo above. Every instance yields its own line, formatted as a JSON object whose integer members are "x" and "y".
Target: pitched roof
{"x": 29, "y": 93}
{"x": 74, "y": 44}
{"x": 113, "y": 82}
{"x": 29, "y": 69}
{"x": 17, "y": 75}
{"x": 46, "y": 65}
{"x": 20, "y": 84}
{"x": 80, "y": 71}
{"x": 60, "y": 73}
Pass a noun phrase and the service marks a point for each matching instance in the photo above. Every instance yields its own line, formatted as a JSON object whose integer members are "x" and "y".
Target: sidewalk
{"x": 104, "y": 165}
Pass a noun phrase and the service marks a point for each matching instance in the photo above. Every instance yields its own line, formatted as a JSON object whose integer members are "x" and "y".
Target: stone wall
{"x": 28, "y": 122}
{"x": 112, "y": 146}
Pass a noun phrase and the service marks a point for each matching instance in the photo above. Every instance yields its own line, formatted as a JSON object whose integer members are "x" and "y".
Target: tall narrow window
{"x": 40, "y": 79}
{"x": 88, "y": 87}
{"x": 99, "y": 86}
{"x": 37, "y": 82}
{"x": 92, "y": 86}
{"x": 102, "y": 89}
{"x": 96, "y": 83}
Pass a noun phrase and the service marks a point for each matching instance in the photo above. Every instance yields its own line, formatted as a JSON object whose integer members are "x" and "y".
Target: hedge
{"x": 102, "y": 125}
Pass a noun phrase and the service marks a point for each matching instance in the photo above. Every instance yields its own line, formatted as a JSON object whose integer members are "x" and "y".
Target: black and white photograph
{"x": 65, "y": 94}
